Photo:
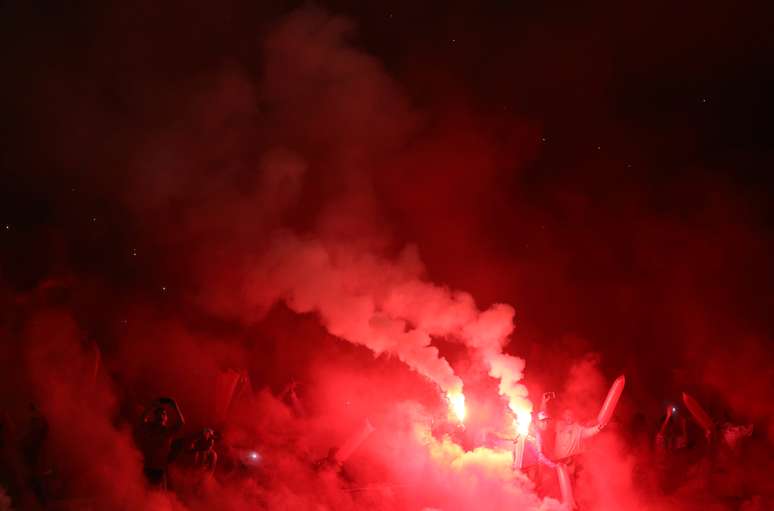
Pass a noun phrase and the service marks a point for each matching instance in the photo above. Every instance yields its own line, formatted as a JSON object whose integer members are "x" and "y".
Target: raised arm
{"x": 669, "y": 412}
{"x": 547, "y": 397}
{"x": 661, "y": 435}
{"x": 590, "y": 431}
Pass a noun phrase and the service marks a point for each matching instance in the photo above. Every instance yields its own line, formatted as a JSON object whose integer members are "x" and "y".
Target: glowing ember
{"x": 457, "y": 405}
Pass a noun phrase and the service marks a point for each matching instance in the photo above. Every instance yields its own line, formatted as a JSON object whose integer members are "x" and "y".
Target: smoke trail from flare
{"x": 387, "y": 306}
{"x": 383, "y": 303}
{"x": 347, "y": 287}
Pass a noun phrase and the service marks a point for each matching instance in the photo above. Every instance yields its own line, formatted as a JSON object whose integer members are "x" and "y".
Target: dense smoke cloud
{"x": 336, "y": 104}
{"x": 247, "y": 212}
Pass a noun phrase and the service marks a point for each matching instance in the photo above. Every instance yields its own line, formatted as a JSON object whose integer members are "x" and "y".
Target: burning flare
{"x": 522, "y": 421}
{"x": 457, "y": 405}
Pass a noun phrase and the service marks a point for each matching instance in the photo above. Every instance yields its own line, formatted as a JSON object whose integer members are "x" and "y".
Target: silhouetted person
{"x": 670, "y": 439}
{"x": 670, "y": 448}
{"x": 732, "y": 434}
{"x": 727, "y": 476}
{"x": 9, "y": 476}
{"x": 203, "y": 449}
{"x": 197, "y": 451}
{"x": 289, "y": 396}
{"x": 32, "y": 443}
{"x": 34, "y": 436}
{"x": 194, "y": 460}
{"x": 155, "y": 440}
{"x": 329, "y": 462}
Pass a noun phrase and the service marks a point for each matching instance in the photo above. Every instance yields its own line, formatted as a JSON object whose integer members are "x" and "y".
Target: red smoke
{"x": 309, "y": 216}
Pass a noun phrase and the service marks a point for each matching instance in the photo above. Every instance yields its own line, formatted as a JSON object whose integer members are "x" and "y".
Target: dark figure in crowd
{"x": 203, "y": 451}
{"x": 194, "y": 460}
{"x": 196, "y": 451}
{"x": 331, "y": 467}
{"x": 329, "y": 462}
{"x": 10, "y": 483}
{"x": 155, "y": 440}
{"x": 672, "y": 434}
{"x": 289, "y": 396}
{"x": 32, "y": 442}
{"x": 729, "y": 449}
{"x": 673, "y": 458}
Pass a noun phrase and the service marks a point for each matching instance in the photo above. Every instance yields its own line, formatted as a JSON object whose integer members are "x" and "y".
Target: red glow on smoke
{"x": 357, "y": 280}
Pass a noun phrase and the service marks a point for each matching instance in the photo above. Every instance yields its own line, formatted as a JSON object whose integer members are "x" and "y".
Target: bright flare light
{"x": 523, "y": 420}
{"x": 457, "y": 405}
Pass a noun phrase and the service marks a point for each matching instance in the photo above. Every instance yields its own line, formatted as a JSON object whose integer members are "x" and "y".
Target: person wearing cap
{"x": 542, "y": 427}
{"x": 540, "y": 431}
